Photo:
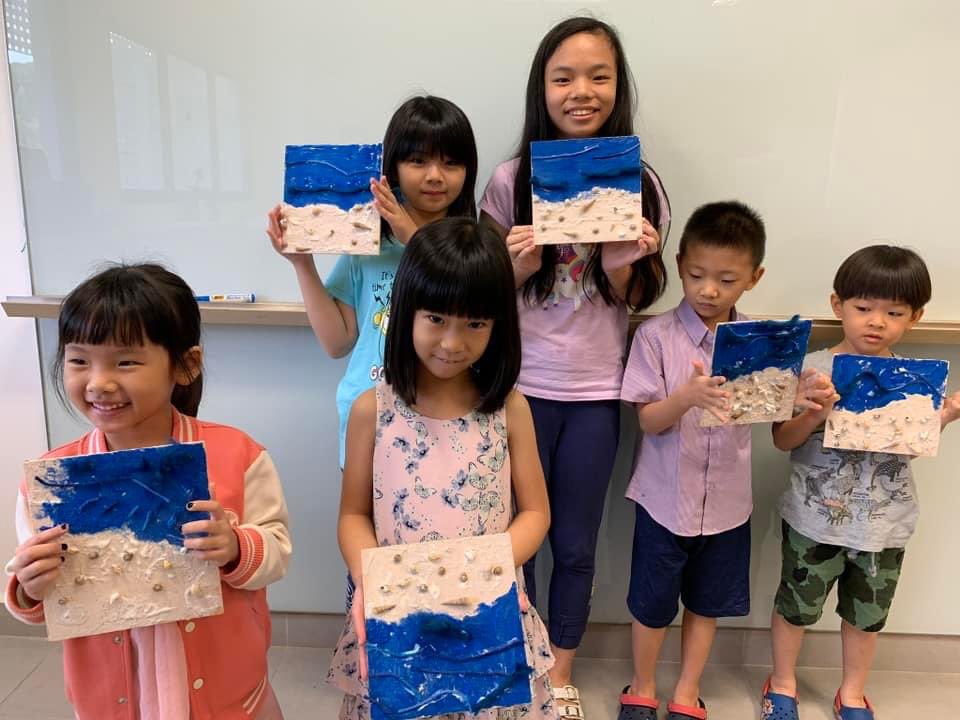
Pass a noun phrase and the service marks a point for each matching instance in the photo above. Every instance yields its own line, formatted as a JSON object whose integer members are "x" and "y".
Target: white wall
{"x": 22, "y": 431}
{"x": 156, "y": 131}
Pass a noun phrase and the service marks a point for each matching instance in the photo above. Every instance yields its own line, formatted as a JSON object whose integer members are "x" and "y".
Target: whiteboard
{"x": 156, "y": 130}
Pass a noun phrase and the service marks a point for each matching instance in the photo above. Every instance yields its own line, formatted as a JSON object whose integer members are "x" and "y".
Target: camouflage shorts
{"x": 867, "y": 582}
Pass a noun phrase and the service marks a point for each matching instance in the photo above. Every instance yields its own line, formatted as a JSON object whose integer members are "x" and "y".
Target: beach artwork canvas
{"x": 125, "y": 566}
{"x": 761, "y": 361}
{"x": 887, "y": 404}
{"x": 444, "y": 633}
{"x": 586, "y": 190}
{"x": 327, "y": 203}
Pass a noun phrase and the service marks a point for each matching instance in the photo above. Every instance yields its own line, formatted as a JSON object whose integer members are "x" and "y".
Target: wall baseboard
{"x": 733, "y": 646}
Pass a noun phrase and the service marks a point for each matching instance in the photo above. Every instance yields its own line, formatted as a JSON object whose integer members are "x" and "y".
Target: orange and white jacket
{"x": 226, "y": 654}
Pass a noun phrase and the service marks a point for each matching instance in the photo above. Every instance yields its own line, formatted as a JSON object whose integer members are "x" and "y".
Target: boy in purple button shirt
{"x": 691, "y": 484}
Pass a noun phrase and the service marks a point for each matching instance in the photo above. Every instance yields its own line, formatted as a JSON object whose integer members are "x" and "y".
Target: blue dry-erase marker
{"x": 227, "y": 298}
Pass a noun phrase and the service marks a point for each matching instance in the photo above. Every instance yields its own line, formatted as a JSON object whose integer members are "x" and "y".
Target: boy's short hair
{"x": 884, "y": 272}
{"x": 728, "y": 224}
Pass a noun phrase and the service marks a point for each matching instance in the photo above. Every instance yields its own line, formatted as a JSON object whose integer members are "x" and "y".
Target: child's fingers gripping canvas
{"x": 328, "y": 204}
{"x": 444, "y": 632}
{"x": 761, "y": 360}
{"x": 887, "y": 405}
{"x": 126, "y": 565}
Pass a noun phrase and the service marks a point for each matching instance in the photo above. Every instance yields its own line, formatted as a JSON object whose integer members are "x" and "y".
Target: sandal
{"x": 842, "y": 712}
{"x": 676, "y": 711}
{"x": 776, "y": 706}
{"x": 569, "y": 705}
{"x": 637, "y": 707}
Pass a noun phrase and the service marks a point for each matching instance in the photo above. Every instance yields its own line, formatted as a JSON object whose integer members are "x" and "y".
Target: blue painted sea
{"x": 430, "y": 664}
{"x": 144, "y": 491}
{"x": 330, "y": 174}
{"x": 869, "y": 383}
{"x": 563, "y": 169}
{"x": 742, "y": 348}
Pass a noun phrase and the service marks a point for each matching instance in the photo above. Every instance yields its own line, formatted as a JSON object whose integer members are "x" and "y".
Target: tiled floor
{"x": 31, "y": 687}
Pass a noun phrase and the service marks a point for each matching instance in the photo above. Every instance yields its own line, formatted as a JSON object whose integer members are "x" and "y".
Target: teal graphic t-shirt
{"x": 364, "y": 282}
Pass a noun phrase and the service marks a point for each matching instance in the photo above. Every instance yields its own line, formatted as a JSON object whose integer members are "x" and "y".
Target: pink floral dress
{"x": 436, "y": 479}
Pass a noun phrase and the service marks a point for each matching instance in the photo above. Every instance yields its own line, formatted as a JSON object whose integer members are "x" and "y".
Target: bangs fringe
{"x": 466, "y": 294}
{"x": 438, "y": 137}
{"x": 108, "y": 319}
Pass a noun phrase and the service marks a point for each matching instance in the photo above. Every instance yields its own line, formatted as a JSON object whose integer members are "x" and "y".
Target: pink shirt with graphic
{"x": 574, "y": 344}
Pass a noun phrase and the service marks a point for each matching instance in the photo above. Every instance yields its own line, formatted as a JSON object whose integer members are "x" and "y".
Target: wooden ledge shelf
{"x": 293, "y": 315}
{"x": 260, "y": 313}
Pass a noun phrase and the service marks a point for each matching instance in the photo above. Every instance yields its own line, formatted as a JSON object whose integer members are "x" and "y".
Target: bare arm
{"x": 355, "y": 530}
{"x": 529, "y": 526}
{"x": 617, "y": 258}
{"x": 794, "y": 432}
{"x": 817, "y": 395}
{"x": 950, "y": 410}
{"x": 333, "y": 322}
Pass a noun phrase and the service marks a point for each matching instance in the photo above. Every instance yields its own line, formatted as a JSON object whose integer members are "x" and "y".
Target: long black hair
{"x": 456, "y": 266}
{"x": 431, "y": 125}
{"x": 128, "y": 305}
{"x": 649, "y": 273}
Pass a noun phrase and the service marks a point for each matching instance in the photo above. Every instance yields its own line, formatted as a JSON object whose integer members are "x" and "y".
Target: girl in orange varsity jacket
{"x": 129, "y": 360}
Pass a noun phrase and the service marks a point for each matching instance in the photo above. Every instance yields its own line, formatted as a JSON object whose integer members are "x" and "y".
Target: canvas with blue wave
{"x": 887, "y": 404}
{"x": 761, "y": 361}
{"x": 126, "y": 565}
{"x": 586, "y": 190}
{"x": 327, "y": 203}
{"x": 444, "y": 631}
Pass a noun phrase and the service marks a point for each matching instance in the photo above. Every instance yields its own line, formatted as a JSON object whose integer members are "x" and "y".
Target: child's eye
{"x": 862, "y": 308}
{"x": 728, "y": 282}
{"x": 450, "y": 162}
{"x": 76, "y": 362}
{"x": 695, "y": 277}
{"x": 601, "y": 78}
{"x": 896, "y": 313}
{"x": 415, "y": 160}
{"x": 477, "y": 324}
{"x": 435, "y": 319}
{"x": 128, "y": 363}
{"x": 561, "y": 81}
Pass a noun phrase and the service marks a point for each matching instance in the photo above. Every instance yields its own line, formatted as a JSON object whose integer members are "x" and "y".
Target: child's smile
{"x": 123, "y": 391}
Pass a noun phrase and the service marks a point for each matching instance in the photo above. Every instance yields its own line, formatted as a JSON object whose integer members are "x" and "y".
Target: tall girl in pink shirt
{"x": 573, "y": 302}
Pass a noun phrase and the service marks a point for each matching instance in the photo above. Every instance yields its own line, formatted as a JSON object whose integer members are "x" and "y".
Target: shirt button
{"x": 117, "y": 639}
{"x": 121, "y": 701}
{"x": 190, "y": 627}
{"x": 198, "y": 683}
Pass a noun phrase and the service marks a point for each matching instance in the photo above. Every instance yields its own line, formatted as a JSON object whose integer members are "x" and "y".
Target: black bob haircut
{"x": 128, "y": 305}
{"x": 726, "y": 224}
{"x": 884, "y": 272}
{"x": 456, "y": 266}
{"x": 429, "y": 125}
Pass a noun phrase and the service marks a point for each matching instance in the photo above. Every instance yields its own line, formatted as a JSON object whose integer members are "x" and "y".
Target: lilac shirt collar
{"x": 694, "y": 325}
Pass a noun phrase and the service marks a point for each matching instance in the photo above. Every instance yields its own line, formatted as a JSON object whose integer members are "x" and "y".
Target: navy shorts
{"x": 710, "y": 573}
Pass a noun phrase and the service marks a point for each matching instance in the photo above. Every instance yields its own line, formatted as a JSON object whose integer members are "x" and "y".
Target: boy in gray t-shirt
{"x": 864, "y": 501}
{"x": 847, "y": 515}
